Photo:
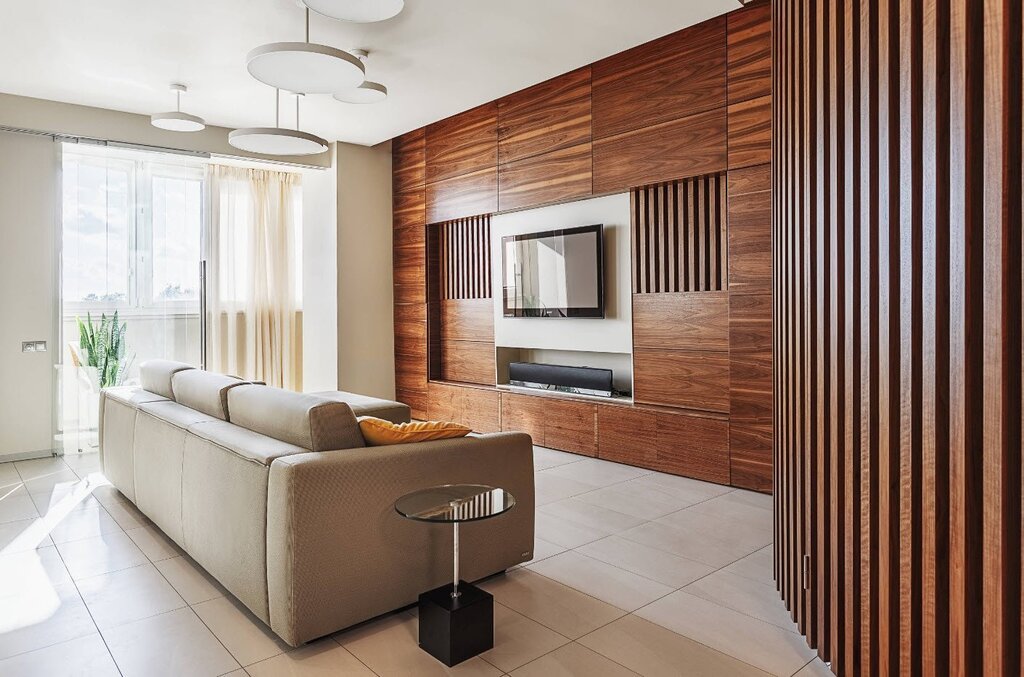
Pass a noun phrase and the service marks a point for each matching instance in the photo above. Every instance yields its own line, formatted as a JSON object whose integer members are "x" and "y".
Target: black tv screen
{"x": 557, "y": 273}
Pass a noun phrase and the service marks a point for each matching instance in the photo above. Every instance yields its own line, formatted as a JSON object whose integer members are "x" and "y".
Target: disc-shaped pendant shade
{"x": 368, "y": 92}
{"x": 177, "y": 122}
{"x": 276, "y": 141}
{"x": 305, "y": 67}
{"x": 357, "y": 11}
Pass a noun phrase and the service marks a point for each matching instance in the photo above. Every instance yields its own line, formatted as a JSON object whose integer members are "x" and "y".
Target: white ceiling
{"x": 438, "y": 57}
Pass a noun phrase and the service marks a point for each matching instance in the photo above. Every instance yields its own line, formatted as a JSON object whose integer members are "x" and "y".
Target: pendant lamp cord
{"x": 307, "y": 25}
{"x": 178, "y": 94}
{"x": 277, "y": 107}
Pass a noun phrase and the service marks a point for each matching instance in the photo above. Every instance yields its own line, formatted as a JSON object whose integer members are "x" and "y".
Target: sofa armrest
{"x": 338, "y": 553}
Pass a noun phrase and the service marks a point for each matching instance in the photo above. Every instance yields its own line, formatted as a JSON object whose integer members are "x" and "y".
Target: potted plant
{"x": 103, "y": 349}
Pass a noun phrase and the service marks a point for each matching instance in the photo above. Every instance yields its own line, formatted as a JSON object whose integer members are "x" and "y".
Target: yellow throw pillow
{"x": 378, "y": 432}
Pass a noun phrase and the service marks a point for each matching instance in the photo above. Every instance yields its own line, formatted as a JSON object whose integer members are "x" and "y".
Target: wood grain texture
{"x": 750, "y": 132}
{"x": 468, "y": 319}
{"x": 750, "y": 52}
{"x": 750, "y": 386}
{"x": 409, "y": 259}
{"x": 750, "y": 180}
{"x": 750, "y": 243}
{"x": 897, "y": 329}
{"x": 681, "y": 321}
{"x": 681, "y": 148}
{"x": 547, "y": 117}
{"x": 463, "y": 143}
{"x": 409, "y": 209}
{"x": 678, "y": 75}
{"x": 693, "y": 446}
{"x": 750, "y": 455}
{"x": 464, "y": 258}
{"x": 408, "y": 161}
{"x": 750, "y": 323}
{"x": 552, "y": 422}
{"x": 478, "y": 408}
{"x": 463, "y": 196}
{"x": 467, "y": 361}
{"x": 628, "y": 435}
{"x": 682, "y": 378}
{"x": 558, "y": 176}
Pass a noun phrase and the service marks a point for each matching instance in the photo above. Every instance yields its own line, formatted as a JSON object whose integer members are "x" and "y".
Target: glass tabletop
{"x": 455, "y": 503}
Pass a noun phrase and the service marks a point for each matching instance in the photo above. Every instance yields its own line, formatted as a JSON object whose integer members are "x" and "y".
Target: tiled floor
{"x": 635, "y": 573}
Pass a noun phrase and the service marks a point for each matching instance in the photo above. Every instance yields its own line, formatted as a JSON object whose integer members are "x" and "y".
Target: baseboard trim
{"x": 28, "y": 455}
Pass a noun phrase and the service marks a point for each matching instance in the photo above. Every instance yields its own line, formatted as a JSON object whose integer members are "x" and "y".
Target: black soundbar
{"x": 576, "y": 380}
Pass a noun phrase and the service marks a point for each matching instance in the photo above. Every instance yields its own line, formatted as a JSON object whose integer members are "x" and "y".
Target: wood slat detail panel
{"x": 465, "y": 258}
{"x": 685, "y": 147}
{"x": 682, "y": 378}
{"x": 561, "y": 175}
{"x": 679, "y": 239}
{"x": 750, "y": 243}
{"x": 478, "y": 408}
{"x": 467, "y": 361}
{"x": 559, "y": 424}
{"x": 666, "y": 79}
{"x": 897, "y": 332}
{"x": 552, "y": 115}
{"x": 463, "y": 196}
{"x": 750, "y": 132}
{"x": 681, "y": 321}
{"x": 463, "y": 143}
{"x": 750, "y": 52}
{"x": 409, "y": 161}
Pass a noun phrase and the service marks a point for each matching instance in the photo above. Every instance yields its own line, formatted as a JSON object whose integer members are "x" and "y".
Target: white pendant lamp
{"x": 177, "y": 121}
{"x": 368, "y": 92}
{"x": 277, "y": 140}
{"x": 357, "y": 11}
{"x": 305, "y": 67}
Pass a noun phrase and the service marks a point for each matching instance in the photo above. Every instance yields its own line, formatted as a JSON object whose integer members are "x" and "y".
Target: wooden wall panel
{"x": 672, "y": 150}
{"x": 547, "y": 117}
{"x": 468, "y": 319}
{"x": 750, "y": 52}
{"x": 410, "y": 209}
{"x": 897, "y": 332}
{"x": 462, "y": 144}
{"x": 467, "y": 361}
{"x": 750, "y": 132}
{"x": 678, "y": 236}
{"x": 663, "y": 80}
{"x": 558, "y": 423}
{"x": 408, "y": 161}
{"x": 750, "y": 242}
{"x": 478, "y": 408}
{"x": 682, "y": 378}
{"x": 682, "y": 321}
{"x": 627, "y": 435}
{"x": 463, "y": 196}
{"x": 559, "y": 176}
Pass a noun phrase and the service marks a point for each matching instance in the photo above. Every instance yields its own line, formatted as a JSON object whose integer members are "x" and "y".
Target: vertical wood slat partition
{"x": 897, "y": 151}
{"x": 465, "y": 254}
{"x": 679, "y": 235}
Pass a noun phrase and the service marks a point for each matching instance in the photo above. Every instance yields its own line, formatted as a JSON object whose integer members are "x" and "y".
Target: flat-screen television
{"x": 557, "y": 273}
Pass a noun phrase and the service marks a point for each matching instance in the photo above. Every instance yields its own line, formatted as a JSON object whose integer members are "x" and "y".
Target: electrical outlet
{"x": 33, "y": 346}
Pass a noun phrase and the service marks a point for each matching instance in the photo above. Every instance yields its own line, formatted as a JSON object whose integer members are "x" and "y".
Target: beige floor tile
{"x": 750, "y": 640}
{"x": 154, "y": 543}
{"x": 597, "y": 472}
{"x": 171, "y": 644}
{"x": 549, "y": 488}
{"x": 57, "y": 480}
{"x": 744, "y": 595}
{"x": 654, "y": 651}
{"x": 550, "y": 458}
{"x": 743, "y": 506}
{"x": 9, "y": 474}
{"x": 244, "y": 635}
{"x": 543, "y": 549}
{"x": 40, "y": 615}
{"x": 639, "y": 500}
{"x": 23, "y": 535}
{"x": 64, "y": 499}
{"x": 128, "y": 595}
{"x": 572, "y": 660}
{"x": 83, "y": 464}
{"x": 30, "y": 568}
{"x": 100, "y": 555}
{"x": 704, "y": 538}
{"x": 607, "y": 583}
{"x": 108, "y": 493}
{"x": 126, "y": 514}
{"x": 657, "y": 565}
{"x": 83, "y": 657}
{"x": 389, "y": 646}
{"x": 565, "y": 533}
{"x": 691, "y": 490}
{"x": 518, "y": 640}
{"x": 40, "y": 467}
{"x": 566, "y": 611}
{"x": 757, "y": 566}
{"x": 816, "y": 668}
{"x": 189, "y": 579}
{"x": 78, "y": 524}
{"x": 320, "y": 659}
{"x": 590, "y": 515}
{"x": 16, "y": 504}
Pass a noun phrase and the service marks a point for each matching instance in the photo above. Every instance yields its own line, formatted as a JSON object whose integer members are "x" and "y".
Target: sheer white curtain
{"x": 254, "y": 307}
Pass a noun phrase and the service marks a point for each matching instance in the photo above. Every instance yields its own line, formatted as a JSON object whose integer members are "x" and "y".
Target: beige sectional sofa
{"x": 274, "y": 494}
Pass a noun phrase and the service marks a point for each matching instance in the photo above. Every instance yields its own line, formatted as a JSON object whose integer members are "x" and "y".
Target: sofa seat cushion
{"x": 133, "y": 396}
{"x": 240, "y": 441}
{"x": 155, "y": 376}
{"x": 307, "y": 421}
{"x": 204, "y": 391}
{"x": 364, "y": 405}
{"x": 175, "y": 414}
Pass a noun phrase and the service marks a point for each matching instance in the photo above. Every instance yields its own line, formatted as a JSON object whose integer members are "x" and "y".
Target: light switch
{"x": 40, "y": 346}
{"x": 33, "y": 346}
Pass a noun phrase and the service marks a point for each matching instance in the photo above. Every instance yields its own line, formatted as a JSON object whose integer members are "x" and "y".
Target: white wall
{"x": 28, "y": 256}
{"x": 319, "y": 272}
{"x": 366, "y": 344}
{"x": 614, "y": 334}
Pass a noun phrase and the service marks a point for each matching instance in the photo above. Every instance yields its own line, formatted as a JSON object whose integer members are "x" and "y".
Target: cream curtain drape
{"x": 254, "y": 308}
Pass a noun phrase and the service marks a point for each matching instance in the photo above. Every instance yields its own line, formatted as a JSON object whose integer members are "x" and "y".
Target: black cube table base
{"x": 453, "y": 629}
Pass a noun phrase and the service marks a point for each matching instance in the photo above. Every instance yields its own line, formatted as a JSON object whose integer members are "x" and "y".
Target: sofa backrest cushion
{"x": 204, "y": 391}
{"x": 156, "y": 375}
{"x": 304, "y": 420}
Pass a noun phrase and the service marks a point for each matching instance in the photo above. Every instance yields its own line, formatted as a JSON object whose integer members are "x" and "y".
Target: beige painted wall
{"x": 319, "y": 272}
{"x": 366, "y": 345}
{"x": 28, "y": 225}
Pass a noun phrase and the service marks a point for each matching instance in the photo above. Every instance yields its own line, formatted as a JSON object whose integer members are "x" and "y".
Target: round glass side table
{"x": 457, "y": 620}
